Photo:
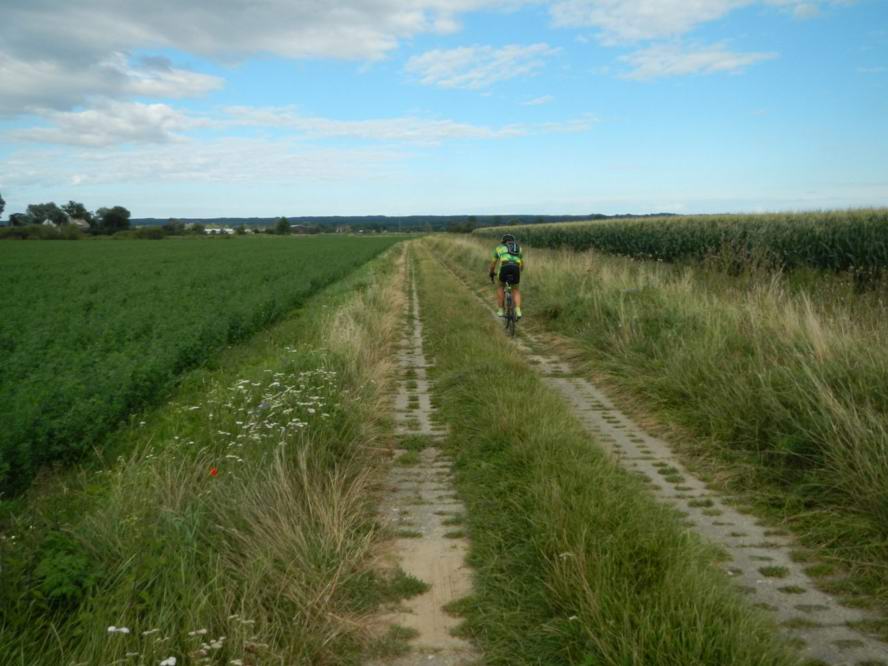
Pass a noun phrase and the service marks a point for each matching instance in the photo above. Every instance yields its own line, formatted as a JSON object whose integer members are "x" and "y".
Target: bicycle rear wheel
{"x": 510, "y": 314}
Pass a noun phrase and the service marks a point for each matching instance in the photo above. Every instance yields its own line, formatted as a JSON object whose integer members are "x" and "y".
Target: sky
{"x": 203, "y": 108}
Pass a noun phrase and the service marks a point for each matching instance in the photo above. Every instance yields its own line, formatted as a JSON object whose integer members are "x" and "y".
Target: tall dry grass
{"x": 786, "y": 383}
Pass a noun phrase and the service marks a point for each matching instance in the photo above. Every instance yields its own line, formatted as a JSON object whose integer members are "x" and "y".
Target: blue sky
{"x": 313, "y": 107}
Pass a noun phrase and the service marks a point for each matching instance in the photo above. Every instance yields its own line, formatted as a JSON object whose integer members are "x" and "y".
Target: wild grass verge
{"x": 575, "y": 562}
{"x": 237, "y": 523}
{"x": 779, "y": 379}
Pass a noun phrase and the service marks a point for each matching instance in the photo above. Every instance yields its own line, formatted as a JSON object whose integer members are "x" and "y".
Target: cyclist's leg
{"x": 516, "y": 295}
{"x": 500, "y": 295}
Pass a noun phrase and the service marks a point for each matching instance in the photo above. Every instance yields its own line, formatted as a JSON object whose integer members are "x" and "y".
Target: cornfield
{"x": 855, "y": 241}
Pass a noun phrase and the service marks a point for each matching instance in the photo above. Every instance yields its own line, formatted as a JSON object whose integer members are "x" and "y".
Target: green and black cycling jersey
{"x": 510, "y": 260}
{"x": 508, "y": 253}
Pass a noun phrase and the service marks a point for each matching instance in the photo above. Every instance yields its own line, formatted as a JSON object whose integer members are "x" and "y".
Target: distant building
{"x": 49, "y": 223}
{"x": 218, "y": 231}
{"x": 83, "y": 225}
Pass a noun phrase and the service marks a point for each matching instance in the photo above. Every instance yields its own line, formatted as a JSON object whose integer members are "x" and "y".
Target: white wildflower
{"x": 169, "y": 661}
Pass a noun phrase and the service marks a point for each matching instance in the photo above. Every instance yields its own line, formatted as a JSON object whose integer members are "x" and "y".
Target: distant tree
{"x": 240, "y": 230}
{"x": 2, "y": 204}
{"x": 173, "y": 227}
{"x": 77, "y": 211}
{"x": 197, "y": 229}
{"x": 282, "y": 226}
{"x": 47, "y": 211}
{"x": 112, "y": 220}
{"x": 456, "y": 227}
{"x": 20, "y": 220}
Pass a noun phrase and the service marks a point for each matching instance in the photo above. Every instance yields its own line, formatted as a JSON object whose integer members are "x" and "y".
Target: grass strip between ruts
{"x": 576, "y": 563}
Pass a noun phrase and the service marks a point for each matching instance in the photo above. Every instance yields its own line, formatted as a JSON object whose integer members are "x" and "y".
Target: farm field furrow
{"x": 91, "y": 331}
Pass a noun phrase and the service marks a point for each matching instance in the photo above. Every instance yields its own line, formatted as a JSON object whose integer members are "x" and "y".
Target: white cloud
{"x": 403, "y": 129}
{"x": 227, "y": 160}
{"x": 409, "y": 129}
{"x": 806, "y": 10}
{"x": 636, "y": 20}
{"x": 538, "y": 101}
{"x": 111, "y": 123}
{"x": 29, "y": 84}
{"x": 478, "y": 67}
{"x": 673, "y": 60}
{"x": 361, "y": 29}
{"x": 59, "y": 54}
{"x": 576, "y": 126}
{"x": 628, "y": 21}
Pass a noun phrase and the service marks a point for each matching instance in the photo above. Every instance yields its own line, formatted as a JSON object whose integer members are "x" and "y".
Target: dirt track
{"x": 421, "y": 507}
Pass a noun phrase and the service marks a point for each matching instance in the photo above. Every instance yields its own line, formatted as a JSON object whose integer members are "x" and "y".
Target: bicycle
{"x": 510, "y": 320}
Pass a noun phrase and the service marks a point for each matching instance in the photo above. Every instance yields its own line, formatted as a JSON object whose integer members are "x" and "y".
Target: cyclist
{"x": 508, "y": 254}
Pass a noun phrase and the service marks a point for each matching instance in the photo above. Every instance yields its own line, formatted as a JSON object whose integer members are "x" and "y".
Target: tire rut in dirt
{"x": 422, "y": 509}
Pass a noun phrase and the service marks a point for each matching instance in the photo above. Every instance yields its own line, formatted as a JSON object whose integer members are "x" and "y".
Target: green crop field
{"x": 839, "y": 240}
{"x": 91, "y": 331}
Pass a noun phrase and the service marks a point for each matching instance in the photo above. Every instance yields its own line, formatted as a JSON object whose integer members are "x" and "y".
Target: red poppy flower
{"x": 214, "y": 471}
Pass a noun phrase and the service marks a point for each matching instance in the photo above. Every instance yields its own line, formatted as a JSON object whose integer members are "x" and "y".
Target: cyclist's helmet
{"x": 508, "y": 238}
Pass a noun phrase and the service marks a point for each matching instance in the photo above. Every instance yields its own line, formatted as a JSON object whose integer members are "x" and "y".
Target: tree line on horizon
{"x": 117, "y": 218}
{"x": 377, "y": 223}
{"x": 105, "y": 220}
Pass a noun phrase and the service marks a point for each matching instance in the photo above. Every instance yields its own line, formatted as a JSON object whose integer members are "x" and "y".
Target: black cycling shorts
{"x": 510, "y": 273}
